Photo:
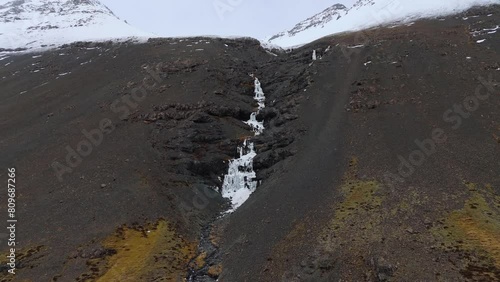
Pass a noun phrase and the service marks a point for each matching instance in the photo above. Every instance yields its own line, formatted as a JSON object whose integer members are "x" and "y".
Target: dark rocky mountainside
{"x": 380, "y": 160}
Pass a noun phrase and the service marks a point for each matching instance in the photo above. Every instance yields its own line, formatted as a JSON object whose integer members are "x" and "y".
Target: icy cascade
{"x": 239, "y": 182}
{"x": 257, "y": 126}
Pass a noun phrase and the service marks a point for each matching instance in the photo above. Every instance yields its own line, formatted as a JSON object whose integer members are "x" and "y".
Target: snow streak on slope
{"x": 239, "y": 182}
{"x": 32, "y": 24}
{"x": 368, "y": 13}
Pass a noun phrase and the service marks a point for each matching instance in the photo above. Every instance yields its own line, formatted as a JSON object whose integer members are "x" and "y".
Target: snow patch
{"x": 356, "y": 46}
{"x": 485, "y": 31}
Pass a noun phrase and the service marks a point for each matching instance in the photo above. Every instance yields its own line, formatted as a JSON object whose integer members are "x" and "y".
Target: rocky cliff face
{"x": 29, "y": 24}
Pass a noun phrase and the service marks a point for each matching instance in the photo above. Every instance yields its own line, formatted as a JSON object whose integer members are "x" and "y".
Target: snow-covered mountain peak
{"x": 15, "y": 10}
{"x": 31, "y": 24}
{"x": 368, "y": 13}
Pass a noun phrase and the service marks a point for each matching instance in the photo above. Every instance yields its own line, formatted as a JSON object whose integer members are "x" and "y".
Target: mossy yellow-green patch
{"x": 358, "y": 210}
{"x": 358, "y": 194}
{"x": 142, "y": 254}
{"x": 27, "y": 256}
{"x": 475, "y": 227}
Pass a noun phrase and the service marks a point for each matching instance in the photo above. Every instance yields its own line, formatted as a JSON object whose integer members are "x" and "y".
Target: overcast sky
{"x": 255, "y": 18}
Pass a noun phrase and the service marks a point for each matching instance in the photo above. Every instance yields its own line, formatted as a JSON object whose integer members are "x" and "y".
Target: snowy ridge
{"x": 334, "y": 12}
{"x": 239, "y": 182}
{"x": 369, "y": 13}
{"x": 33, "y": 24}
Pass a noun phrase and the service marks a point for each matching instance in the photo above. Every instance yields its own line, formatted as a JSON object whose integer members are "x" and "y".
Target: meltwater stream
{"x": 239, "y": 182}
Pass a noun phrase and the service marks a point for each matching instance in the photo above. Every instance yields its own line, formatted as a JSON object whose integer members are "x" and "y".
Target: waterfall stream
{"x": 239, "y": 182}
